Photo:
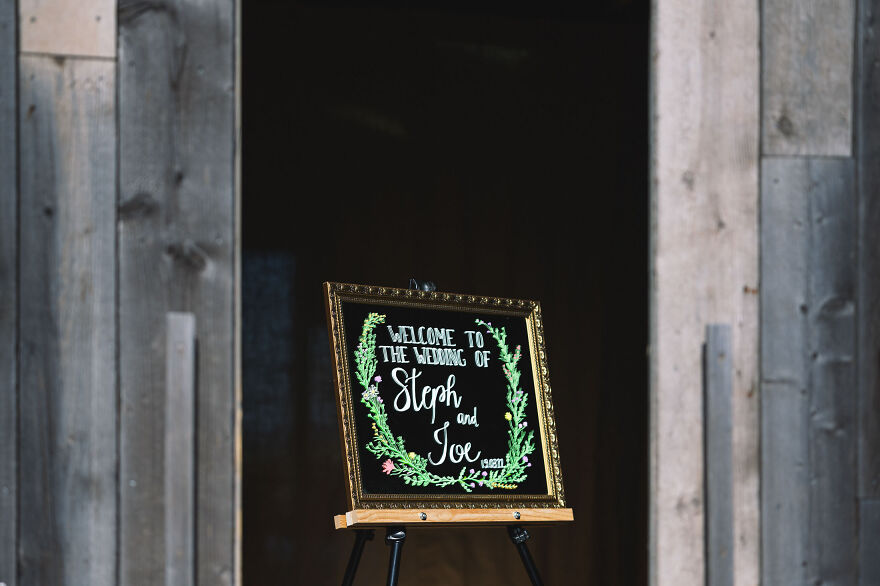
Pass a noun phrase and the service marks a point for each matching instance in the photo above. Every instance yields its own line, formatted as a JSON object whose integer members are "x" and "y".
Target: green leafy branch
{"x": 520, "y": 443}
{"x": 409, "y": 466}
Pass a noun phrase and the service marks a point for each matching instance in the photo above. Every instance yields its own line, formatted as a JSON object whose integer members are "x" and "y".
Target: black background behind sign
{"x": 482, "y": 387}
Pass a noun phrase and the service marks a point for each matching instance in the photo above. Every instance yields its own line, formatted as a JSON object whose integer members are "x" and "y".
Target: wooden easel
{"x": 395, "y": 522}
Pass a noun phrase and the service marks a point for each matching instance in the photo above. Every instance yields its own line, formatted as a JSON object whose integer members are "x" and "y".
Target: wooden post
{"x": 180, "y": 449}
{"x": 718, "y": 406}
{"x": 704, "y": 269}
{"x": 176, "y": 253}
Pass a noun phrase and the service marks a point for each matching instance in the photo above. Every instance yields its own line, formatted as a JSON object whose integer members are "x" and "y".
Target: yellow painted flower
{"x": 412, "y": 455}
{"x": 508, "y": 416}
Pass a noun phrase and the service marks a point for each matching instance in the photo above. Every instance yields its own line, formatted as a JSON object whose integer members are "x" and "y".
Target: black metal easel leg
{"x": 361, "y": 536}
{"x": 518, "y": 536}
{"x": 394, "y": 537}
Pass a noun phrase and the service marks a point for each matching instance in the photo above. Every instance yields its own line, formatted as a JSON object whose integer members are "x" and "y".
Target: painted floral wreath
{"x": 411, "y": 467}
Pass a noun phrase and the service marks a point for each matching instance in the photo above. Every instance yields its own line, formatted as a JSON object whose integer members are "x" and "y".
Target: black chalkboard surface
{"x": 444, "y": 400}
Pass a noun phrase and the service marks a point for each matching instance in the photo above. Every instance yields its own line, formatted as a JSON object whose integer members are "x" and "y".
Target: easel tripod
{"x": 395, "y": 536}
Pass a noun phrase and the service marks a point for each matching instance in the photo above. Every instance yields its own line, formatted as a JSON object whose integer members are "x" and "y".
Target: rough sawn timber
{"x": 68, "y": 411}
{"x": 807, "y": 81}
{"x": 704, "y": 269}
{"x": 176, "y": 253}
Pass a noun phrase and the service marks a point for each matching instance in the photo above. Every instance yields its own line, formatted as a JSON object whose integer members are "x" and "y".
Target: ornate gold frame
{"x": 336, "y": 293}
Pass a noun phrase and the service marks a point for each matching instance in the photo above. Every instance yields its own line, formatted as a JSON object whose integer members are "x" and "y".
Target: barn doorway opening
{"x": 491, "y": 147}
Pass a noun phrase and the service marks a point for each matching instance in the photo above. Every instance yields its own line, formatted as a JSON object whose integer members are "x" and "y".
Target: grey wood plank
{"x": 180, "y": 449}
{"x": 8, "y": 293}
{"x": 808, "y": 404}
{"x": 868, "y": 304}
{"x": 68, "y": 410}
{"x": 176, "y": 238}
{"x": 807, "y": 64}
{"x": 718, "y": 404}
{"x": 784, "y": 382}
{"x": 831, "y": 346}
{"x": 869, "y": 542}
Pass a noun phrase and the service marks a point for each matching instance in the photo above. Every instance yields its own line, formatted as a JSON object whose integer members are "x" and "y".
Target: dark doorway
{"x": 494, "y": 148}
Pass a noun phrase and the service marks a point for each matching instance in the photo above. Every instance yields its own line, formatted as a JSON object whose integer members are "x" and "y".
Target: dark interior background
{"x": 498, "y": 148}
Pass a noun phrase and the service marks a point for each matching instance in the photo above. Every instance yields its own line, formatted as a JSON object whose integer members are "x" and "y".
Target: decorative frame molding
{"x": 338, "y": 293}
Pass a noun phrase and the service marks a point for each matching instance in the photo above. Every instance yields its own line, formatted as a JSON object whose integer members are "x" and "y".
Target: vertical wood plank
{"x": 8, "y": 294}
{"x": 784, "y": 380}
{"x": 868, "y": 136}
{"x": 807, "y": 55}
{"x": 180, "y": 380}
{"x": 833, "y": 427}
{"x": 808, "y": 337}
{"x": 869, "y": 542}
{"x": 718, "y": 419}
{"x": 176, "y": 235}
{"x": 705, "y": 140}
{"x": 68, "y": 411}
{"x": 85, "y": 28}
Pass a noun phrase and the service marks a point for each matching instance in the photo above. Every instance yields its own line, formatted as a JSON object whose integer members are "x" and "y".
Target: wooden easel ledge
{"x": 368, "y": 517}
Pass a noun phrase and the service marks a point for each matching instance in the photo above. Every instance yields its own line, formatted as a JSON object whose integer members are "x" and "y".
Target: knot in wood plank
{"x": 188, "y": 254}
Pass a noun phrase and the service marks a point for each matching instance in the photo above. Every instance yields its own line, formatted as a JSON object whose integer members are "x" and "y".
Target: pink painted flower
{"x": 387, "y": 466}
{"x": 377, "y": 378}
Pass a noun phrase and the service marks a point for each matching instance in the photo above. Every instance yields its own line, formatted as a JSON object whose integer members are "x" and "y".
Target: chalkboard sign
{"x": 443, "y": 401}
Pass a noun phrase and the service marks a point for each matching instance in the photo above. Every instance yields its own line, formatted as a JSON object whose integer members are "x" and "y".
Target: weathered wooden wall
{"x": 704, "y": 196}
{"x": 819, "y": 260}
{"x": 820, "y": 347}
{"x": 176, "y": 239}
{"x": 117, "y": 206}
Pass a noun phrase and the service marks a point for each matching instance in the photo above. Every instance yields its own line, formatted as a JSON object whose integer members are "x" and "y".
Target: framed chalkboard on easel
{"x": 444, "y": 405}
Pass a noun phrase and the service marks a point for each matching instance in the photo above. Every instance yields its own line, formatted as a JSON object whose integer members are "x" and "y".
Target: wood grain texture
{"x": 809, "y": 401}
{"x": 85, "y": 28}
{"x": 366, "y": 517}
{"x": 807, "y": 57}
{"x": 68, "y": 411}
{"x": 833, "y": 427}
{"x": 176, "y": 235}
{"x": 704, "y": 269}
{"x": 869, "y": 542}
{"x": 180, "y": 449}
{"x": 8, "y": 293}
{"x": 784, "y": 378}
{"x": 718, "y": 420}
{"x": 868, "y": 304}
